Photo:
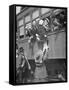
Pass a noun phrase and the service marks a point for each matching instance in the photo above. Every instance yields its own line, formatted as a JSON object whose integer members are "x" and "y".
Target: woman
{"x": 40, "y": 71}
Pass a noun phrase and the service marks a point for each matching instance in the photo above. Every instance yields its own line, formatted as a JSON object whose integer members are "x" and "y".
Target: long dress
{"x": 40, "y": 71}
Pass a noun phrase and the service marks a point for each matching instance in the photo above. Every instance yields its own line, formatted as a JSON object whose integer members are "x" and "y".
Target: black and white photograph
{"x": 41, "y": 44}
{"x": 34, "y": 45}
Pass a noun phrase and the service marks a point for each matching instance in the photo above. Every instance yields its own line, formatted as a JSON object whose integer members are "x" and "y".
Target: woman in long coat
{"x": 40, "y": 71}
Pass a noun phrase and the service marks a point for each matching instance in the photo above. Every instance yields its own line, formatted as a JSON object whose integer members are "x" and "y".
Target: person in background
{"x": 60, "y": 76}
{"x": 24, "y": 66}
{"x": 17, "y": 54}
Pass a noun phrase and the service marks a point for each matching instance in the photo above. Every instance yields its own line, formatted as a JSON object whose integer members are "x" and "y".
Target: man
{"x": 24, "y": 66}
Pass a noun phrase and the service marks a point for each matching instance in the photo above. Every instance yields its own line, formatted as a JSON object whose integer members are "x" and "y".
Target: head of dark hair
{"x": 21, "y": 49}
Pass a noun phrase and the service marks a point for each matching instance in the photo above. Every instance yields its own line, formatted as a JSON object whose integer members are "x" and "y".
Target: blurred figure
{"x": 60, "y": 76}
{"x": 24, "y": 67}
{"x": 40, "y": 70}
{"x": 45, "y": 51}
